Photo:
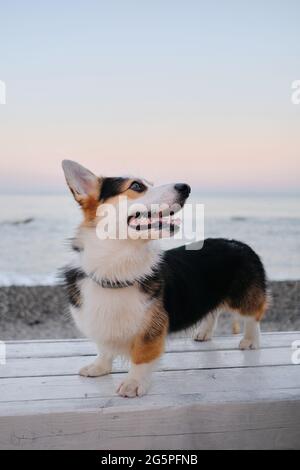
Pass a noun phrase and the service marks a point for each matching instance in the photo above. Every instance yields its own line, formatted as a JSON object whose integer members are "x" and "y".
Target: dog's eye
{"x": 137, "y": 186}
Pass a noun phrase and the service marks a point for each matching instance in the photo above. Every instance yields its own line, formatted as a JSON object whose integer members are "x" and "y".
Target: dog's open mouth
{"x": 158, "y": 221}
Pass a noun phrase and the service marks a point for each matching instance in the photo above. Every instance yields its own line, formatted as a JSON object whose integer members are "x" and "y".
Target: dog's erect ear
{"x": 81, "y": 181}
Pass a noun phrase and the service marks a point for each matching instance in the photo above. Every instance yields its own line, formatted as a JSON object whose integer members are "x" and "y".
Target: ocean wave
{"x": 239, "y": 218}
{"x": 17, "y": 279}
{"x": 28, "y": 220}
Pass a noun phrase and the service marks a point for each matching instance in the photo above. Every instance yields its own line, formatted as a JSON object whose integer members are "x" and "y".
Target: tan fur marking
{"x": 236, "y": 329}
{"x": 133, "y": 194}
{"x": 261, "y": 311}
{"x": 147, "y": 352}
{"x": 114, "y": 200}
{"x": 149, "y": 344}
{"x": 89, "y": 206}
{"x": 254, "y": 303}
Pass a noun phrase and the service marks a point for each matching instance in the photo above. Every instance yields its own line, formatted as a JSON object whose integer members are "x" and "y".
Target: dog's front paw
{"x": 249, "y": 344}
{"x": 133, "y": 388}
{"x": 94, "y": 370}
{"x": 203, "y": 335}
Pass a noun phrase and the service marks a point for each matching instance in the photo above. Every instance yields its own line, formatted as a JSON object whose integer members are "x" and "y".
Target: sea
{"x": 34, "y": 232}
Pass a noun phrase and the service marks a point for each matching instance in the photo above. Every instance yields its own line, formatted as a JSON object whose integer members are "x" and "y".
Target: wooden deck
{"x": 204, "y": 395}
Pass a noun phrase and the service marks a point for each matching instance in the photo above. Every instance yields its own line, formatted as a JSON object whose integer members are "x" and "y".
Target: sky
{"x": 194, "y": 91}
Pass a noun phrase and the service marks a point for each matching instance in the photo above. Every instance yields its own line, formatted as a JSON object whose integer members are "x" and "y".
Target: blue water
{"x": 32, "y": 250}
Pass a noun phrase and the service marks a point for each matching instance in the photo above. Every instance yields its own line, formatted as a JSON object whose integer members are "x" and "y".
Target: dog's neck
{"x": 117, "y": 260}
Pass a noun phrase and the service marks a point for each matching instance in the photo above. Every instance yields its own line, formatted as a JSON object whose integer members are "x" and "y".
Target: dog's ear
{"x": 81, "y": 181}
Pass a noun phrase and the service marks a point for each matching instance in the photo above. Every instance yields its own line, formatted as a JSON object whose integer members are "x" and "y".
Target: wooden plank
{"x": 150, "y": 401}
{"x": 266, "y": 425}
{"x": 203, "y": 396}
{"x": 169, "y": 361}
{"x": 164, "y": 383}
{"x": 65, "y": 348}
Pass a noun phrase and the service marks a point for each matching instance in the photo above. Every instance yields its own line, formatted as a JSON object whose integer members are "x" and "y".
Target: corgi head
{"x": 149, "y": 209}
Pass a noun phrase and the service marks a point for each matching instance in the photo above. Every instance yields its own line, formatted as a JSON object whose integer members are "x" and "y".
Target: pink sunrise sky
{"x": 170, "y": 91}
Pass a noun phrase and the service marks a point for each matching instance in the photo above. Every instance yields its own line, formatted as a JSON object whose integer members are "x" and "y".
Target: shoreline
{"x": 40, "y": 312}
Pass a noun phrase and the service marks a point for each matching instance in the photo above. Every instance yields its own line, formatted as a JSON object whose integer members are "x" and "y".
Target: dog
{"x": 127, "y": 294}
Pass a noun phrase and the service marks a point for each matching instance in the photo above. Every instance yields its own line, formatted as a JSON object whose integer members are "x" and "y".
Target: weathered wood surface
{"x": 204, "y": 395}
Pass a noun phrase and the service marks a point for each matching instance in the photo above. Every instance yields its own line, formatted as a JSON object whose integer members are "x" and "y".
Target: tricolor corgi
{"x": 126, "y": 294}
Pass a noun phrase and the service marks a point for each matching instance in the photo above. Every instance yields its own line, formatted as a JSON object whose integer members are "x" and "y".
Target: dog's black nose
{"x": 183, "y": 189}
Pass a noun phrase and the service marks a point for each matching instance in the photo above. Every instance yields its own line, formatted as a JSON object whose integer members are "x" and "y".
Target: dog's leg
{"x": 236, "y": 324}
{"x": 146, "y": 350}
{"x": 207, "y": 327}
{"x": 251, "y": 339}
{"x": 101, "y": 366}
{"x": 137, "y": 381}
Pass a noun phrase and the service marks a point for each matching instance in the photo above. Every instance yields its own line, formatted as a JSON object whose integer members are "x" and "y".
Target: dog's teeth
{"x": 134, "y": 222}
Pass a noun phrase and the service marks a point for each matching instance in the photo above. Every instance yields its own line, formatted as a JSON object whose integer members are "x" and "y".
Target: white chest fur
{"x": 110, "y": 317}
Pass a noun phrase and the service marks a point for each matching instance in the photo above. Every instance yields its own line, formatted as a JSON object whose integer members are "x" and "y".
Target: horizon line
{"x": 206, "y": 191}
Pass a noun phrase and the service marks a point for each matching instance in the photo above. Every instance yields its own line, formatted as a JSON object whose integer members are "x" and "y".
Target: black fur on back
{"x": 196, "y": 282}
